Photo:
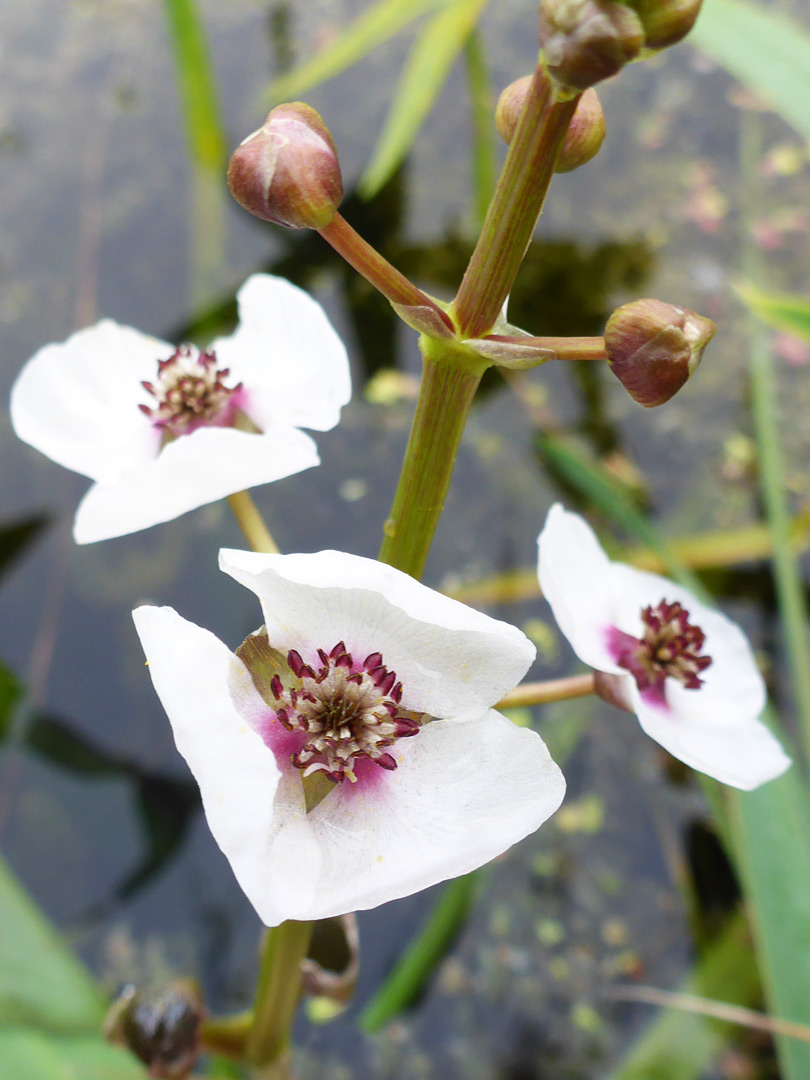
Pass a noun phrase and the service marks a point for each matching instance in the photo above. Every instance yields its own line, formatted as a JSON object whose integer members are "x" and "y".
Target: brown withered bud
{"x": 666, "y": 22}
{"x": 585, "y": 134}
{"x": 288, "y": 171}
{"x": 163, "y": 1031}
{"x": 585, "y": 41}
{"x": 653, "y": 348}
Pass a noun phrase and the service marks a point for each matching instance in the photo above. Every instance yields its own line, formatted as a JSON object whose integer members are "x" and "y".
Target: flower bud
{"x": 653, "y": 348}
{"x": 585, "y": 134}
{"x": 163, "y": 1032}
{"x": 585, "y": 41}
{"x": 288, "y": 170}
{"x": 666, "y": 22}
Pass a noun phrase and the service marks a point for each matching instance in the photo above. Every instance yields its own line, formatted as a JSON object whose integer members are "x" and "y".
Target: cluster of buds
{"x": 585, "y": 41}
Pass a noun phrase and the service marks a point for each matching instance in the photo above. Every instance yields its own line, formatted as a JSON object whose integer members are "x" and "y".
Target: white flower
{"x": 685, "y": 670}
{"x": 351, "y": 755}
{"x": 162, "y": 430}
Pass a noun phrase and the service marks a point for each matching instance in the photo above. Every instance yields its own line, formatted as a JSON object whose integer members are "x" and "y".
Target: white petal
{"x": 462, "y": 794}
{"x": 288, "y": 355}
{"x": 450, "y": 659}
{"x": 200, "y": 682}
{"x": 77, "y": 402}
{"x": 191, "y": 471}
{"x": 743, "y": 753}
{"x": 574, "y": 574}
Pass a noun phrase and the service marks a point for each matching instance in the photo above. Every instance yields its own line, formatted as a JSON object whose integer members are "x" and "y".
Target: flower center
{"x": 348, "y": 711}
{"x": 190, "y": 392}
{"x": 669, "y": 647}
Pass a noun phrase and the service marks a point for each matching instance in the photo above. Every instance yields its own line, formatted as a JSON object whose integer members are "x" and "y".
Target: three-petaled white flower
{"x": 348, "y": 754}
{"x": 162, "y": 430}
{"x": 685, "y": 670}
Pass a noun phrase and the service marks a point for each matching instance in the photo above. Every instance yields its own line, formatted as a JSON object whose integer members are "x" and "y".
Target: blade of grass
{"x": 382, "y": 21}
{"x": 764, "y": 49}
{"x": 783, "y": 311}
{"x": 436, "y": 48}
{"x": 206, "y": 143}
{"x": 484, "y": 157}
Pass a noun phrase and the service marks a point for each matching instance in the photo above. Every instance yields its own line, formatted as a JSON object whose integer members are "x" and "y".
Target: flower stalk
{"x": 515, "y": 206}
{"x": 451, "y": 375}
{"x": 544, "y": 693}
{"x": 252, "y": 523}
{"x": 368, "y": 262}
{"x": 277, "y": 991}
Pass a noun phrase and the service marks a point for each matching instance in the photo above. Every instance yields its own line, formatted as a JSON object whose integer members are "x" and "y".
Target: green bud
{"x": 666, "y": 22}
{"x": 585, "y": 41}
{"x": 653, "y": 348}
{"x": 288, "y": 171}
{"x": 585, "y": 134}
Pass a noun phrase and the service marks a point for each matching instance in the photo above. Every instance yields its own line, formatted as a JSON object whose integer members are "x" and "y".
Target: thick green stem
{"x": 252, "y": 523}
{"x": 450, "y": 378}
{"x": 515, "y": 207}
{"x": 277, "y": 991}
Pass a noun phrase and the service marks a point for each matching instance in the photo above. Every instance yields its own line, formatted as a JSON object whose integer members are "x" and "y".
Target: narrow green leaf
{"x": 765, "y": 50}
{"x": 34, "y": 1055}
{"x": 42, "y": 983}
{"x": 199, "y": 96}
{"x": 783, "y": 311}
{"x": 431, "y": 57}
{"x": 382, "y": 21}
{"x": 682, "y": 1046}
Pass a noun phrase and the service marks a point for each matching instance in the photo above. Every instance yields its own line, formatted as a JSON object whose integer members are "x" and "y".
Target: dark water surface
{"x": 99, "y": 817}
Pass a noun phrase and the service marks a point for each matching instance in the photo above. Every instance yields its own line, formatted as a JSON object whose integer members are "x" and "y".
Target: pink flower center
{"x": 669, "y": 648}
{"x": 349, "y": 712}
{"x": 190, "y": 392}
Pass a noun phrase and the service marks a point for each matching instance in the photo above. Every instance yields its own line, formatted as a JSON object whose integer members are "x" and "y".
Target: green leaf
{"x": 369, "y": 30}
{"x": 34, "y": 1055}
{"x": 765, "y": 50}
{"x": 431, "y": 57}
{"x": 42, "y": 984}
{"x": 783, "y": 311}
{"x": 199, "y": 96}
{"x": 681, "y": 1046}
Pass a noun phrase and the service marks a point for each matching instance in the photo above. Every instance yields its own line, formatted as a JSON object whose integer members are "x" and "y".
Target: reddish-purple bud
{"x": 288, "y": 170}
{"x": 666, "y": 22}
{"x": 653, "y": 348}
{"x": 585, "y": 41}
{"x": 585, "y": 134}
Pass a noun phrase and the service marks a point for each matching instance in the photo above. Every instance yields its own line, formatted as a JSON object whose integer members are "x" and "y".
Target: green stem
{"x": 277, "y": 992}
{"x": 451, "y": 375}
{"x": 515, "y": 207}
{"x": 484, "y": 161}
{"x": 564, "y": 348}
{"x": 252, "y": 523}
